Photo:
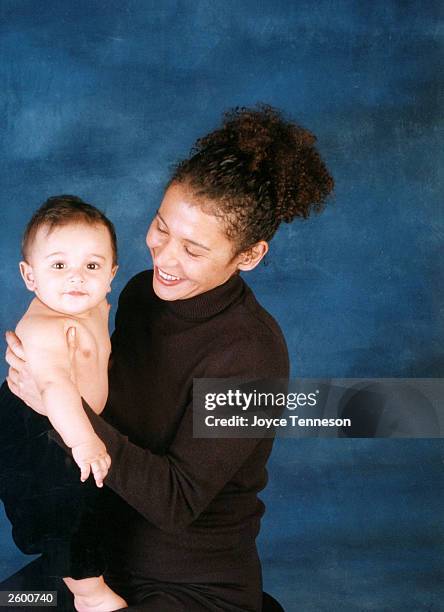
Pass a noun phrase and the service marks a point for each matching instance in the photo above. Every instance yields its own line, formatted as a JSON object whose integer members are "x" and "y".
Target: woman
{"x": 180, "y": 514}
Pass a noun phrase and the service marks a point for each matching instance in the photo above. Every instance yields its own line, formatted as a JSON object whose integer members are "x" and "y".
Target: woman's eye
{"x": 190, "y": 253}
{"x": 161, "y": 230}
{"x": 58, "y": 265}
{"x": 93, "y": 266}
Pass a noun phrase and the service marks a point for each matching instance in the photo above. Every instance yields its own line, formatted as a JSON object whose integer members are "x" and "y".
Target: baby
{"x": 69, "y": 260}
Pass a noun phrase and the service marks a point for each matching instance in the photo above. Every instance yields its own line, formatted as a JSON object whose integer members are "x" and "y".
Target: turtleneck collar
{"x": 208, "y": 304}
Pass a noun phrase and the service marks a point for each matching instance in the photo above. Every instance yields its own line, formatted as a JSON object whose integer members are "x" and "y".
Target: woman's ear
{"x": 250, "y": 258}
{"x": 27, "y": 275}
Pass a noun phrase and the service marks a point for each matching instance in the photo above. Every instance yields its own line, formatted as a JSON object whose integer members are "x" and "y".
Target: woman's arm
{"x": 173, "y": 489}
{"x": 169, "y": 490}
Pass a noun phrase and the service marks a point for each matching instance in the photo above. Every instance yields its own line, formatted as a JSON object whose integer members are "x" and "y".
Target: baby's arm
{"x": 46, "y": 351}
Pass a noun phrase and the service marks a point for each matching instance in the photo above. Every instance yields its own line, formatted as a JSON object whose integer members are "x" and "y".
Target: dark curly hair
{"x": 255, "y": 171}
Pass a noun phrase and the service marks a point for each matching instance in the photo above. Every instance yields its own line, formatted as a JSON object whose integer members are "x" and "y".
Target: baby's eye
{"x": 58, "y": 265}
{"x": 161, "y": 229}
{"x": 93, "y": 266}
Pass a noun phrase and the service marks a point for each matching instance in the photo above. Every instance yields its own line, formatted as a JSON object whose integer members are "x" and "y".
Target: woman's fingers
{"x": 14, "y": 376}
{"x": 12, "y": 359}
{"x": 71, "y": 340}
{"x": 14, "y": 345}
{"x": 13, "y": 386}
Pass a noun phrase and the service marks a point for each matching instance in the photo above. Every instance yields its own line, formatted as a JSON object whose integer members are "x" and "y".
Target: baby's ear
{"x": 27, "y": 275}
{"x": 113, "y": 273}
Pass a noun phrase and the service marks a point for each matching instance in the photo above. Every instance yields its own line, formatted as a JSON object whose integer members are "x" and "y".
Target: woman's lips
{"x": 166, "y": 279}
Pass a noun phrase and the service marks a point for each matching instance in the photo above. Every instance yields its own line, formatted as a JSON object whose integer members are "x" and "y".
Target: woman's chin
{"x": 169, "y": 293}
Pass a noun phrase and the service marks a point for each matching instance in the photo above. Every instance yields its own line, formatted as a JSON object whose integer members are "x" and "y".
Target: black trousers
{"x": 231, "y": 589}
{"x": 50, "y": 510}
{"x": 143, "y": 595}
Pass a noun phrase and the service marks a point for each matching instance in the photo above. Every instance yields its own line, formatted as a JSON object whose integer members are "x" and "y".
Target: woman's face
{"x": 191, "y": 253}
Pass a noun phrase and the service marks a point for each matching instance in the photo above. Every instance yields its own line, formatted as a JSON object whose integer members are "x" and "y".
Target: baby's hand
{"x": 91, "y": 456}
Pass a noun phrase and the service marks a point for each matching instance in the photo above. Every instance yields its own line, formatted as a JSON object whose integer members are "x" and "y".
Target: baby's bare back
{"x": 89, "y": 363}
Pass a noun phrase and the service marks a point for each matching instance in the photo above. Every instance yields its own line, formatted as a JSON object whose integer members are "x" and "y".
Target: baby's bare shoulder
{"x": 37, "y": 327}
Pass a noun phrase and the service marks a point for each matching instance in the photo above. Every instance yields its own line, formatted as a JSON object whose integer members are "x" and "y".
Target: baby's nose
{"x": 76, "y": 276}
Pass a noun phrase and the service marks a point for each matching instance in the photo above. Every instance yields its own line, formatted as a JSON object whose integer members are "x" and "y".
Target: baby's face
{"x": 70, "y": 269}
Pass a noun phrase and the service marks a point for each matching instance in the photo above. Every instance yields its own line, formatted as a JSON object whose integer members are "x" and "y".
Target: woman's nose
{"x": 166, "y": 254}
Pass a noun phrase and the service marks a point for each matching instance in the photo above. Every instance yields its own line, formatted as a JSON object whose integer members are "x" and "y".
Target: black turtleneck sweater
{"x": 178, "y": 507}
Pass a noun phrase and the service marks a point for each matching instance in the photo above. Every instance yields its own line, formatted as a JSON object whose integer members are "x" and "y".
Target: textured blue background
{"x": 100, "y": 98}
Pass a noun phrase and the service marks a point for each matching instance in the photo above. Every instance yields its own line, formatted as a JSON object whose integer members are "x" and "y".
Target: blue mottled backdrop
{"x": 100, "y": 98}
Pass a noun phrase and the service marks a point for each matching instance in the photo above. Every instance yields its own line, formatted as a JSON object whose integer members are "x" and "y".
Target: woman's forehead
{"x": 185, "y": 217}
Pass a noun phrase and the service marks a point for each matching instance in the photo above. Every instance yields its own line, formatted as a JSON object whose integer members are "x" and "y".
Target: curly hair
{"x": 254, "y": 172}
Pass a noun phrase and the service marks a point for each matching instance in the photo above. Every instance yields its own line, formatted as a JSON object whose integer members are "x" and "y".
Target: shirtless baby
{"x": 69, "y": 260}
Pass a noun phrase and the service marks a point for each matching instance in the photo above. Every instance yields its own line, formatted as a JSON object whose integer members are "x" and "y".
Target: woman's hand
{"x": 20, "y": 380}
{"x": 19, "y": 377}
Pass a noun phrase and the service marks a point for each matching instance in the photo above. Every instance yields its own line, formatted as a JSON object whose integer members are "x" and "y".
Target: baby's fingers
{"x": 85, "y": 471}
{"x": 100, "y": 470}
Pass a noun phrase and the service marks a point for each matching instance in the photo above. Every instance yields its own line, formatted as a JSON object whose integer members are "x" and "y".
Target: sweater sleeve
{"x": 171, "y": 490}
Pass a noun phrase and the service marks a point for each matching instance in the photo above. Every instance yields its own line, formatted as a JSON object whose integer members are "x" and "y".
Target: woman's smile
{"x": 167, "y": 279}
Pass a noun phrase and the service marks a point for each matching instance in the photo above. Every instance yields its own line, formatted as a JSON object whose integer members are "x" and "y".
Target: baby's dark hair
{"x": 62, "y": 210}
{"x": 254, "y": 172}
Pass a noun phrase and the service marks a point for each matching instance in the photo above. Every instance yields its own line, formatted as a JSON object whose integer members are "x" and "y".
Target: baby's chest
{"x": 93, "y": 348}
{"x": 90, "y": 367}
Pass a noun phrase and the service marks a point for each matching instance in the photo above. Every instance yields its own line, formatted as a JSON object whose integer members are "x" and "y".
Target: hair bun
{"x": 280, "y": 157}
{"x": 256, "y": 170}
